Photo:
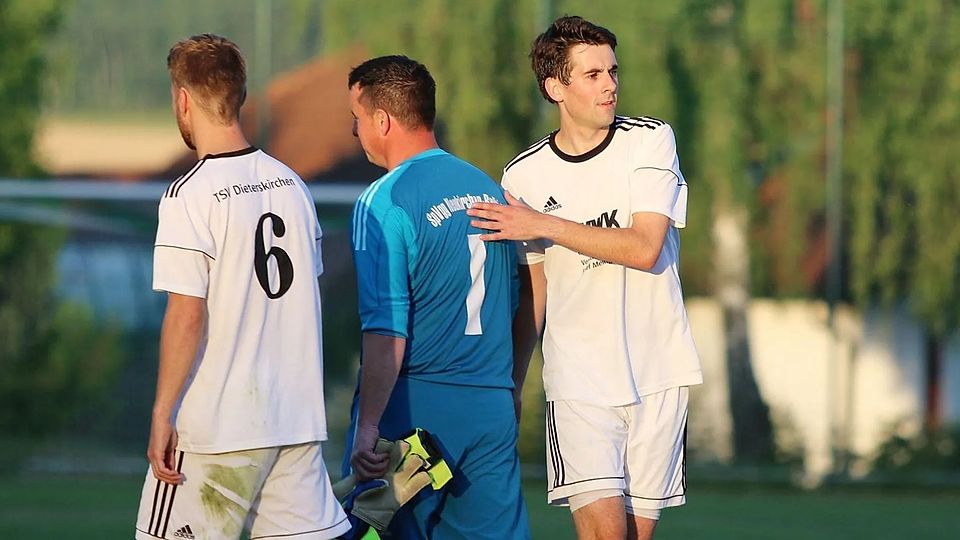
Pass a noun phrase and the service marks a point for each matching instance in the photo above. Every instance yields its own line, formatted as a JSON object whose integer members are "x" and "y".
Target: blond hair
{"x": 212, "y": 69}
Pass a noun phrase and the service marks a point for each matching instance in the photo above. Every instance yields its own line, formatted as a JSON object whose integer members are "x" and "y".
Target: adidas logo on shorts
{"x": 551, "y": 205}
{"x": 184, "y": 532}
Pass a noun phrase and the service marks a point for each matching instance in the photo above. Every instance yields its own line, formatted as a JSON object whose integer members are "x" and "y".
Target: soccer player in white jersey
{"x": 595, "y": 208}
{"x": 238, "y": 416}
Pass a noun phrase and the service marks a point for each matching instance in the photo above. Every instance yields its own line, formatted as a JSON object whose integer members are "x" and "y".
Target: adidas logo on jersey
{"x": 551, "y": 205}
{"x": 184, "y": 532}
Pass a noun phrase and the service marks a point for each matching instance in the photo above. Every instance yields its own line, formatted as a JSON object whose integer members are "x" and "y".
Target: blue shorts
{"x": 476, "y": 430}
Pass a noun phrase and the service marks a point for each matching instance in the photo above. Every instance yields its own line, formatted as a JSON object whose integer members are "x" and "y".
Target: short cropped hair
{"x": 401, "y": 86}
{"x": 550, "y": 56}
{"x": 213, "y": 70}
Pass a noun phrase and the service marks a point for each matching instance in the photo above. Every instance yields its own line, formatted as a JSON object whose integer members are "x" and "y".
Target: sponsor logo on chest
{"x": 607, "y": 219}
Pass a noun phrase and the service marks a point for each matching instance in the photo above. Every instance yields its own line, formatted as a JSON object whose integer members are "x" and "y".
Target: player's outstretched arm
{"x": 527, "y": 325}
{"x": 183, "y": 326}
{"x": 636, "y": 247}
{"x": 382, "y": 358}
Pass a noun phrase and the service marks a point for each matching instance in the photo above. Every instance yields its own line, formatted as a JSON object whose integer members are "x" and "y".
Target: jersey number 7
{"x": 478, "y": 256}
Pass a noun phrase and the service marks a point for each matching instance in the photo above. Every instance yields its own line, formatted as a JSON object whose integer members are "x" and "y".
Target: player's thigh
{"x": 585, "y": 449}
{"x": 476, "y": 431}
{"x": 212, "y": 502}
{"x": 490, "y": 504}
{"x": 656, "y": 451}
{"x": 296, "y": 500}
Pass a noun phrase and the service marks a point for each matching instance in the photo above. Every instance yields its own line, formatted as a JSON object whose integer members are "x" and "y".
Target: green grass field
{"x": 87, "y": 507}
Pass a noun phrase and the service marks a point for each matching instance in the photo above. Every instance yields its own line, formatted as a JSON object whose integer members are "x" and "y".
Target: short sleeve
{"x": 380, "y": 252}
{"x": 528, "y": 251}
{"x": 183, "y": 250}
{"x": 656, "y": 183}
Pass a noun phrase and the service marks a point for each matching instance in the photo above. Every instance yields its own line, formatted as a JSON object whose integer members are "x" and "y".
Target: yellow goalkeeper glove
{"x": 414, "y": 462}
{"x": 405, "y": 478}
{"x": 421, "y": 444}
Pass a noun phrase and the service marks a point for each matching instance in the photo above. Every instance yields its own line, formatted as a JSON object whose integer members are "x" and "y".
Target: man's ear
{"x": 554, "y": 88}
{"x": 381, "y": 121}
{"x": 184, "y": 101}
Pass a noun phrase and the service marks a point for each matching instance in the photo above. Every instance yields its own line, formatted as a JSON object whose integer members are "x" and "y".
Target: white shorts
{"x": 280, "y": 492}
{"x": 639, "y": 449}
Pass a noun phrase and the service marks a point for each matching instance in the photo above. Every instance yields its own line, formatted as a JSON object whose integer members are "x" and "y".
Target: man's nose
{"x": 611, "y": 82}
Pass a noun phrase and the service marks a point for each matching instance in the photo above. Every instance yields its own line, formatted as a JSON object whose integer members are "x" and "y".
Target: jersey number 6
{"x": 261, "y": 258}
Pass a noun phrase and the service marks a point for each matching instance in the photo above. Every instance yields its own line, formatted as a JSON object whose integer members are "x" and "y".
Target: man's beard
{"x": 185, "y": 133}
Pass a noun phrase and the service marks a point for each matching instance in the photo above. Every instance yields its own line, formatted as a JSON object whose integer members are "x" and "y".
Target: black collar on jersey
{"x": 586, "y": 155}
{"x": 235, "y": 153}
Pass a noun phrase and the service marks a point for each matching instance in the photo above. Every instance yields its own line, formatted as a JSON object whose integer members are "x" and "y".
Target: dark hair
{"x": 212, "y": 69}
{"x": 549, "y": 54}
{"x": 400, "y": 86}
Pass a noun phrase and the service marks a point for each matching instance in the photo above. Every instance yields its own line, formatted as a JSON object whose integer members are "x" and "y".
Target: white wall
{"x": 859, "y": 384}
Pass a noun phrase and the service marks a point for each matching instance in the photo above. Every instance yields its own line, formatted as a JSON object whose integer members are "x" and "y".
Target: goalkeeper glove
{"x": 414, "y": 462}
{"x": 405, "y": 478}
{"x": 421, "y": 444}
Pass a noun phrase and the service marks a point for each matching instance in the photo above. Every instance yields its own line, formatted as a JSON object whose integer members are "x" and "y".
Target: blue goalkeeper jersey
{"x": 424, "y": 274}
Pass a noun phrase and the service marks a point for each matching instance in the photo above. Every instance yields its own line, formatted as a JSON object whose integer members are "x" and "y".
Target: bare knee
{"x": 602, "y": 519}
{"x": 640, "y": 527}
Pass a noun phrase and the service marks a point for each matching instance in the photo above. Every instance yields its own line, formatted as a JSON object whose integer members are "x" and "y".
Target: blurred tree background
{"x": 109, "y": 56}
{"x": 904, "y": 176}
{"x": 54, "y": 358}
{"x": 743, "y": 82}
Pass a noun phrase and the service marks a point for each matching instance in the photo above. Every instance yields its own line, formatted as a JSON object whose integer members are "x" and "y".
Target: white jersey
{"x": 613, "y": 334}
{"x": 240, "y": 229}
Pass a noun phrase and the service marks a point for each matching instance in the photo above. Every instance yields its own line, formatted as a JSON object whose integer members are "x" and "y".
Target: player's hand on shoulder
{"x": 512, "y": 221}
{"x": 366, "y": 463}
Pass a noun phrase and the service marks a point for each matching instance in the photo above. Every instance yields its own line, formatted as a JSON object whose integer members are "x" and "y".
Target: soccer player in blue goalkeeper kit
{"x": 436, "y": 307}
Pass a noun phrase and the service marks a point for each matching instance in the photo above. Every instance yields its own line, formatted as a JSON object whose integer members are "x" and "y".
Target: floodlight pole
{"x": 840, "y": 429}
{"x": 262, "y": 28}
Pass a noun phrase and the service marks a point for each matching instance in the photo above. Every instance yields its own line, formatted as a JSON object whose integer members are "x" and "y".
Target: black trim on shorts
{"x": 153, "y": 510}
{"x": 211, "y": 257}
{"x": 585, "y": 480}
{"x": 337, "y": 524}
{"x": 559, "y": 471}
{"x": 656, "y": 499}
{"x": 148, "y": 533}
{"x": 173, "y": 495}
{"x": 163, "y": 502}
{"x": 683, "y": 463}
{"x": 550, "y": 429}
